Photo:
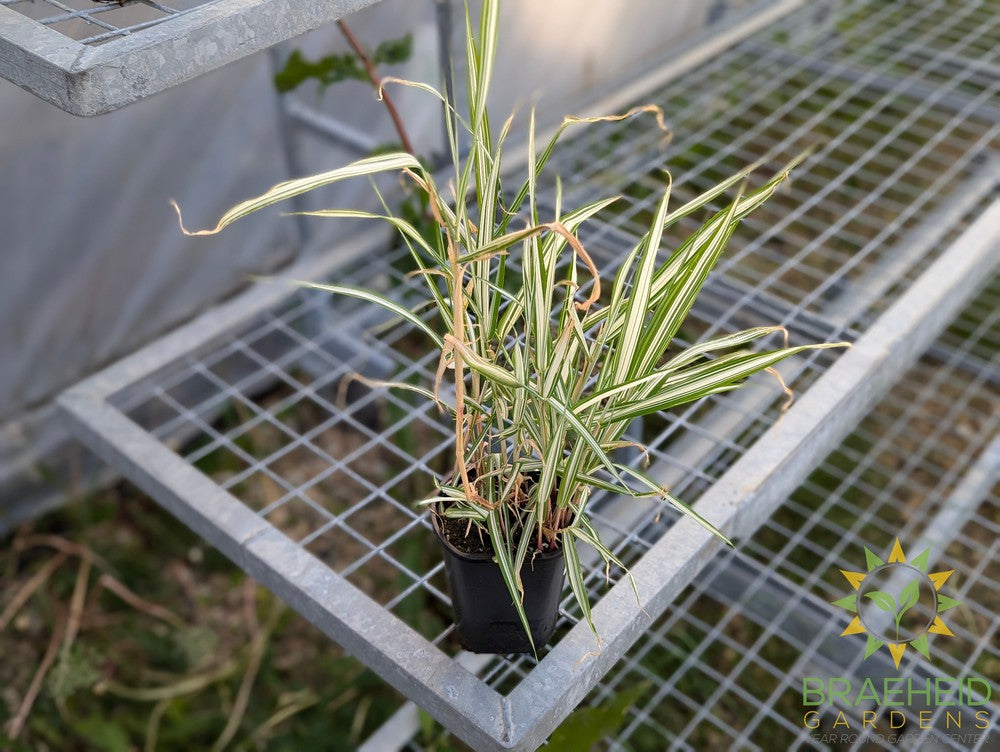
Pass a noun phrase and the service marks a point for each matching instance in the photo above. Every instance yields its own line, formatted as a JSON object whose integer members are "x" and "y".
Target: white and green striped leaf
{"x": 511, "y": 576}
{"x": 393, "y": 162}
{"x": 372, "y": 297}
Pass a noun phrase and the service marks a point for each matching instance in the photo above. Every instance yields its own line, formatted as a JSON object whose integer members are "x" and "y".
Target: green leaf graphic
{"x": 908, "y": 598}
{"x": 849, "y": 602}
{"x": 871, "y": 560}
{"x": 944, "y": 603}
{"x": 872, "y": 644}
{"x": 920, "y": 560}
{"x": 883, "y": 600}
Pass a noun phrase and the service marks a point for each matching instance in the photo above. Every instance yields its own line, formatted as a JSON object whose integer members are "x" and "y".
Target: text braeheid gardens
{"x": 897, "y": 603}
{"x": 961, "y": 707}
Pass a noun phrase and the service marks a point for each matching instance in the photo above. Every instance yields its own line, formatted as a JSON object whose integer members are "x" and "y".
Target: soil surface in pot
{"x": 455, "y": 529}
{"x": 470, "y": 540}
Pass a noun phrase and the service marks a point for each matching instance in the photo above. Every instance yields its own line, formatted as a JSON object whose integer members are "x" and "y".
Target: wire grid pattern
{"x": 898, "y": 99}
{"x": 95, "y": 21}
{"x": 272, "y": 415}
{"x": 725, "y": 663}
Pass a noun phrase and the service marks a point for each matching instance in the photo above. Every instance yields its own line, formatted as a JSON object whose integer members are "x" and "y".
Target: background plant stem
{"x": 376, "y": 80}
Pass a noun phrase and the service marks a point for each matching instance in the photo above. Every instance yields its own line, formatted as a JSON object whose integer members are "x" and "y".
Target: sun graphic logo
{"x": 897, "y": 603}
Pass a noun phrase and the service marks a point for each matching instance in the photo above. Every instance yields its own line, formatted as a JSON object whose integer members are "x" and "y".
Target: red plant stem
{"x": 376, "y": 80}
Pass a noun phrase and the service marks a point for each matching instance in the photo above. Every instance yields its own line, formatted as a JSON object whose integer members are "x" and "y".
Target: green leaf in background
{"x": 339, "y": 67}
{"x": 394, "y": 51}
{"x": 326, "y": 71}
{"x": 76, "y": 669}
{"x": 433, "y": 737}
{"x": 103, "y": 734}
{"x": 883, "y": 600}
{"x": 13, "y": 745}
{"x": 585, "y": 727}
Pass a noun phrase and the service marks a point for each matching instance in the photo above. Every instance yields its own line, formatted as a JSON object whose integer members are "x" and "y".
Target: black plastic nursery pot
{"x": 485, "y": 617}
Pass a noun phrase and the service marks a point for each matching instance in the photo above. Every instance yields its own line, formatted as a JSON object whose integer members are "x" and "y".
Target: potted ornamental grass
{"x": 545, "y": 364}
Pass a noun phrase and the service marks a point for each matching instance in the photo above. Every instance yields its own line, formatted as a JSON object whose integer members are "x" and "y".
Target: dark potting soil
{"x": 467, "y": 539}
{"x": 454, "y": 529}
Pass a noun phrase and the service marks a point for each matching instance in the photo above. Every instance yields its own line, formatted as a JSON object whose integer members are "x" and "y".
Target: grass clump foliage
{"x": 541, "y": 377}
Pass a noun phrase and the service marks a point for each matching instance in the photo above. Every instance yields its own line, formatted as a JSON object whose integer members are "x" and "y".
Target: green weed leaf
{"x": 586, "y": 727}
{"x": 103, "y": 734}
{"x": 75, "y": 670}
{"x": 339, "y": 67}
{"x": 394, "y": 51}
{"x": 326, "y": 71}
